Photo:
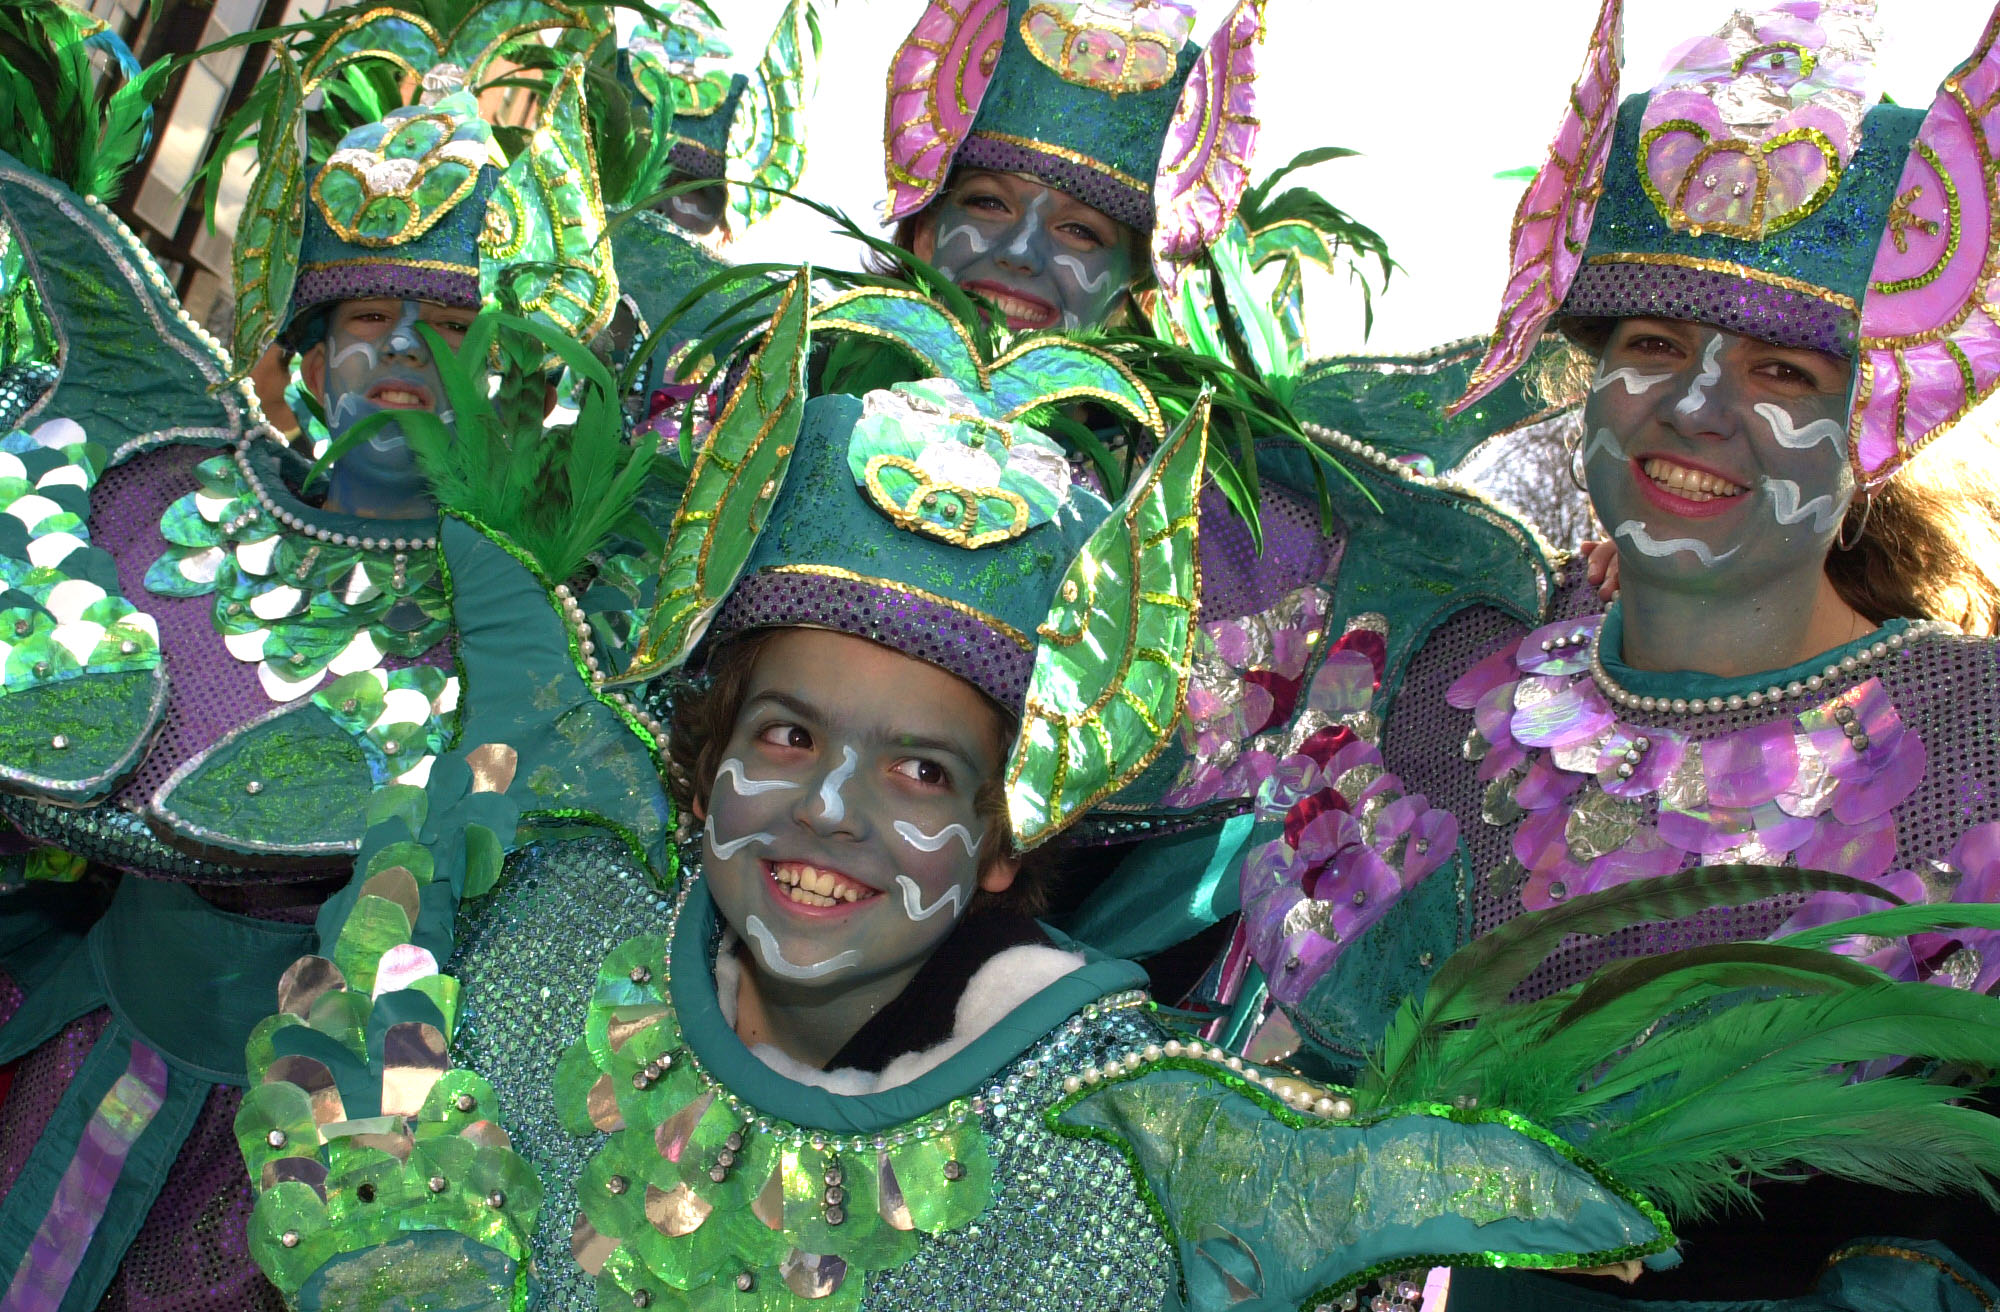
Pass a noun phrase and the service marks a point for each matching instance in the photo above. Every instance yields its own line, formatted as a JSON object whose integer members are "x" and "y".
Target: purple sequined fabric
{"x": 1740, "y": 305}
{"x": 695, "y": 160}
{"x": 192, "y": 1252}
{"x": 347, "y": 282}
{"x": 1092, "y": 186}
{"x": 1235, "y": 580}
{"x": 1944, "y": 688}
{"x": 926, "y": 630}
{"x": 40, "y": 1078}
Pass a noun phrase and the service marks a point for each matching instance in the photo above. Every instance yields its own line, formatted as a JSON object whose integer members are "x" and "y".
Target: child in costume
{"x": 1780, "y": 351}
{"x": 213, "y": 664}
{"x": 823, "y": 1064}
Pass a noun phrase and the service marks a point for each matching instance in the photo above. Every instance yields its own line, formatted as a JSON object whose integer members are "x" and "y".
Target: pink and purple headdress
{"x": 1764, "y": 187}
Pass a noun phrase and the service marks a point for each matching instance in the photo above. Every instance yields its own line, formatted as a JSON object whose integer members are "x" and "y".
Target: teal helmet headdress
{"x": 1103, "y": 99}
{"x": 422, "y": 203}
{"x": 1765, "y": 187}
{"x": 931, "y": 518}
{"x": 713, "y": 122}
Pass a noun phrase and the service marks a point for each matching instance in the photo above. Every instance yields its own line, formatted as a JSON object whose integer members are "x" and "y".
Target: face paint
{"x": 1824, "y": 511}
{"x": 722, "y": 851}
{"x": 858, "y": 770}
{"x": 1635, "y": 533}
{"x": 1710, "y": 375}
{"x": 913, "y": 900}
{"x": 1044, "y": 258}
{"x": 831, "y": 805}
{"x": 1731, "y": 477}
{"x": 377, "y": 360}
{"x": 773, "y": 955}
{"x": 924, "y": 842}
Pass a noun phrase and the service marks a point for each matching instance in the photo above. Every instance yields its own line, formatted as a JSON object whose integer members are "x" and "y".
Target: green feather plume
{"x": 1689, "y": 1075}
{"x": 54, "y": 116}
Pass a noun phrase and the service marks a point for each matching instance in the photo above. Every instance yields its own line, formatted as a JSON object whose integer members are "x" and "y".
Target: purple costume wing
{"x": 1206, "y": 165}
{"x": 936, "y": 82}
{"x": 1930, "y": 331}
{"x": 1552, "y": 222}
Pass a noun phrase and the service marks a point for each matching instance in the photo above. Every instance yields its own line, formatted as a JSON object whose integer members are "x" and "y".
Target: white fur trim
{"x": 1005, "y": 982}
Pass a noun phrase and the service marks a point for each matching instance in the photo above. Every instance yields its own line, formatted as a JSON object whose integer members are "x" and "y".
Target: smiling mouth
{"x": 1687, "y": 482}
{"x": 1018, "y": 310}
{"x": 816, "y": 886}
{"x": 400, "y": 396}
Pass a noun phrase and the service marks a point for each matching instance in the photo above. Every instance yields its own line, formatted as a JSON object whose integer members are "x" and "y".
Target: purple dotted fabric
{"x": 1096, "y": 189}
{"x": 1235, "y": 580}
{"x": 1740, "y": 305}
{"x": 348, "y": 282}
{"x": 926, "y": 630}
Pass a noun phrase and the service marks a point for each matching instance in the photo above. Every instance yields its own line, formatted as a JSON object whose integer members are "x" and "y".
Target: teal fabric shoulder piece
{"x": 657, "y": 268}
{"x": 136, "y": 370}
{"x": 1398, "y": 403}
{"x": 1274, "y": 1209}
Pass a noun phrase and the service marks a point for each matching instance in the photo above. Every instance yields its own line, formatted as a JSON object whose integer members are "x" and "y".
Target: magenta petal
{"x": 1500, "y": 758}
{"x": 1571, "y": 657}
{"x": 1863, "y": 850}
{"x": 1538, "y": 841}
{"x": 1546, "y": 888}
{"x": 1345, "y": 683}
{"x": 1545, "y": 785}
{"x": 1433, "y": 839}
{"x": 1664, "y": 750}
{"x": 1750, "y": 766}
{"x": 1977, "y": 857}
{"x": 1893, "y": 779}
{"x": 1495, "y": 713}
{"x": 1647, "y": 856}
{"x": 1708, "y": 830}
{"x": 1575, "y": 713}
{"x": 1328, "y": 833}
{"x": 1481, "y": 679}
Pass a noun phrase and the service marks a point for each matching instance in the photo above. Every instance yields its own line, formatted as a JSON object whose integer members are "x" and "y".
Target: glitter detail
{"x": 1735, "y": 298}
{"x": 985, "y": 652}
{"x": 1099, "y": 186}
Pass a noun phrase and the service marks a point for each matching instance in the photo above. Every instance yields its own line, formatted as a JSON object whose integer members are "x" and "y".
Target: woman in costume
{"x": 1782, "y": 314}
{"x": 214, "y": 664}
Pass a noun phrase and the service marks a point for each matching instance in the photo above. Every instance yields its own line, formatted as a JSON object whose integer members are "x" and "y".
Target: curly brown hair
{"x": 704, "y": 714}
{"x": 1926, "y": 544}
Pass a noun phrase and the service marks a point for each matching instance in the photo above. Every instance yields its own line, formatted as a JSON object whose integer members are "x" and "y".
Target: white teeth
{"x": 1693, "y": 484}
{"x": 397, "y": 396}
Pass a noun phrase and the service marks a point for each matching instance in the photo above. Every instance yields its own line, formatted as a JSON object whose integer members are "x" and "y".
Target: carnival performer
{"x": 229, "y": 658}
{"x": 1779, "y": 355}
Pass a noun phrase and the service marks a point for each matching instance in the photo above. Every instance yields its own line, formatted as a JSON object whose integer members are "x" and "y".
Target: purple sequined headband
{"x": 991, "y": 657}
{"x": 326, "y": 284}
{"x": 1786, "y": 316}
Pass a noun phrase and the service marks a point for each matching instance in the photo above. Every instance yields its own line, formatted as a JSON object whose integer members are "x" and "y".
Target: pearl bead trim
{"x": 1771, "y": 696}
{"x": 271, "y": 510}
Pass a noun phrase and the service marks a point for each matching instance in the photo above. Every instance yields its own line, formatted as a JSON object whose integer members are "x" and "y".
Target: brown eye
{"x": 926, "y": 772}
{"x": 786, "y": 735}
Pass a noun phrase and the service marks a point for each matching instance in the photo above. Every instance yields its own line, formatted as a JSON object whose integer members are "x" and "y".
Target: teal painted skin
{"x": 372, "y": 348}
{"x": 852, "y": 760}
{"x": 1047, "y": 259}
{"x": 1722, "y": 545}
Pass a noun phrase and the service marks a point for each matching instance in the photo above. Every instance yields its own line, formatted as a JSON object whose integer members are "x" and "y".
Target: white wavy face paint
{"x": 722, "y": 851}
{"x": 743, "y": 785}
{"x": 1031, "y": 230}
{"x": 924, "y": 842}
{"x": 1081, "y": 274}
{"x": 1002, "y": 232}
{"x": 1636, "y": 383}
{"x": 1603, "y": 442}
{"x": 1635, "y": 532}
{"x": 968, "y": 235}
{"x": 1824, "y": 511}
{"x": 913, "y": 900}
{"x": 1792, "y": 438}
{"x": 773, "y": 955}
{"x": 832, "y": 806}
{"x": 1710, "y": 375}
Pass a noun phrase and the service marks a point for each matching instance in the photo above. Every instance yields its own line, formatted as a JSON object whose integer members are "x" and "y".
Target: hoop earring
{"x": 1572, "y": 453}
{"x": 1841, "y": 540}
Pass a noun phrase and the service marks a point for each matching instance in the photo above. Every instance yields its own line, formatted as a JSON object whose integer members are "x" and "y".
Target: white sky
{"x": 1437, "y": 96}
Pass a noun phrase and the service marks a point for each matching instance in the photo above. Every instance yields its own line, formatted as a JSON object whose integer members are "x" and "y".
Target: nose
{"x": 404, "y": 339}
{"x": 1024, "y": 246}
{"x": 1701, "y": 401}
{"x": 827, "y": 806}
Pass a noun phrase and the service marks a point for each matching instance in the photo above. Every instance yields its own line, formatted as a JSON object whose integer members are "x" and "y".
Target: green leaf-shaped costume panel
{"x": 265, "y": 258}
{"x": 1110, "y": 674}
{"x": 1273, "y": 1208}
{"x": 768, "y": 135}
{"x": 730, "y": 491}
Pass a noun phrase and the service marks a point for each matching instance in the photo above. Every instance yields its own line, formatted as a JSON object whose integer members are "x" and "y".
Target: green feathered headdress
{"x": 56, "y": 116}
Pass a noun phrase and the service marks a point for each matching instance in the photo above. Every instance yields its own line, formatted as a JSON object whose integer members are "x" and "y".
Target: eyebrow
{"x": 805, "y": 710}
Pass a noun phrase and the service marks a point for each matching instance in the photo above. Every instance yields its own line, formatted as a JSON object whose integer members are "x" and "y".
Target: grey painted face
{"x": 1046, "y": 259}
{"x": 1718, "y": 461}
{"x": 698, "y": 212}
{"x": 842, "y": 831}
{"x": 375, "y": 359}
